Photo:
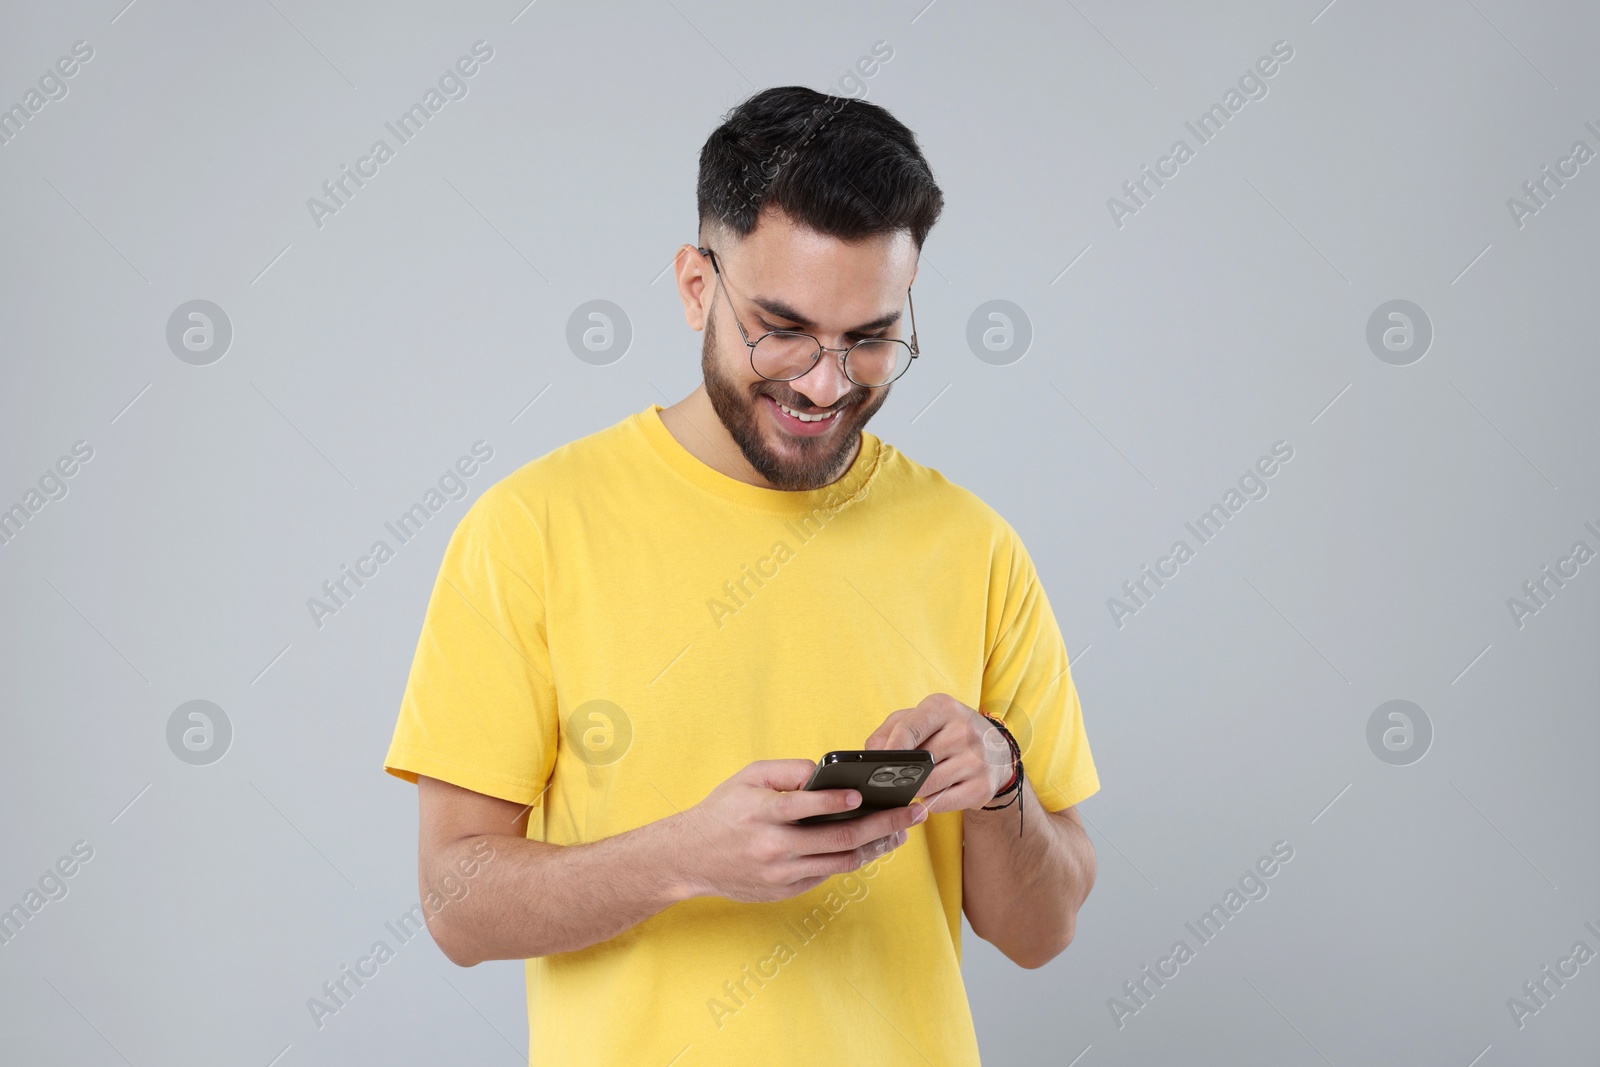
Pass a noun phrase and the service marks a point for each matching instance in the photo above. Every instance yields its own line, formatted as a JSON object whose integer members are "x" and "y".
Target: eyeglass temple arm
{"x": 913, "y": 309}
{"x": 909, "y": 304}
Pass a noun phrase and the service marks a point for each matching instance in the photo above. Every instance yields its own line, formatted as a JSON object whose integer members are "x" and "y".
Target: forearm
{"x": 1023, "y": 894}
{"x": 534, "y": 899}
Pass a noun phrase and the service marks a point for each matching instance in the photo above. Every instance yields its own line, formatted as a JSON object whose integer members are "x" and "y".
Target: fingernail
{"x": 920, "y": 814}
{"x": 852, "y": 799}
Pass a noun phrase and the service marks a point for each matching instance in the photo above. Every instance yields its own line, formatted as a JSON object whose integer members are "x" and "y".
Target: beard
{"x": 803, "y": 463}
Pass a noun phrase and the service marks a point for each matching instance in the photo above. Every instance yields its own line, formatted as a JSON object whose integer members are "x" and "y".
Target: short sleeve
{"x": 479, "y": 709}
{"x": 1027, "y": 682}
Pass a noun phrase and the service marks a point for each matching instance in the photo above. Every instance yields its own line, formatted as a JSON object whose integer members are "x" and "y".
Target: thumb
{"x": 782, "y": 774}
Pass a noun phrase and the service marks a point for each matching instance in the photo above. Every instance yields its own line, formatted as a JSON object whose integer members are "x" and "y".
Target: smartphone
{"x": 885, "y": 778}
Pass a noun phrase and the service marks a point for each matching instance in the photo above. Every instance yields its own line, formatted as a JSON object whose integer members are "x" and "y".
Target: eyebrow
{"x": 779, "y": 310}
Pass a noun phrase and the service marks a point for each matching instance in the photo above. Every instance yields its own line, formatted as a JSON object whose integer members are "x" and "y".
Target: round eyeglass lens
{"x": 783, "y": 356}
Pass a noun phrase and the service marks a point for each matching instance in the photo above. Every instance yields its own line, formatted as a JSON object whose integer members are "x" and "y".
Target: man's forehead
{"x": 779, "y": 241}
{"x": 799, "y": 274}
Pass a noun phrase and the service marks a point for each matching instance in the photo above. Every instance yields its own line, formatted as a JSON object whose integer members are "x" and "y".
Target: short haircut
{"x": 837, "y": 165}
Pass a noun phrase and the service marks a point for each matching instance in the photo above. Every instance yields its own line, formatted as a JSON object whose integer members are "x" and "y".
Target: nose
{"x": 825, "y": 383}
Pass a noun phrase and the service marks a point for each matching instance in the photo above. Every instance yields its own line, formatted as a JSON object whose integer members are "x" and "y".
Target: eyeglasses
{"x": 784, "y": 355}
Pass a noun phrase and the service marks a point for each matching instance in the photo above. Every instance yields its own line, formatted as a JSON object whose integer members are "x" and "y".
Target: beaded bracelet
{"x": 1013, "y": 788}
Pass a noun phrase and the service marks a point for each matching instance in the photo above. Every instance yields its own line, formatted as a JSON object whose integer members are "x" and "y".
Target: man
{"x": 639, "y": 643}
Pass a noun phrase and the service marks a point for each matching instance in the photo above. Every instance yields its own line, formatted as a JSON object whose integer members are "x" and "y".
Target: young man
{"x": 639, "y": 643}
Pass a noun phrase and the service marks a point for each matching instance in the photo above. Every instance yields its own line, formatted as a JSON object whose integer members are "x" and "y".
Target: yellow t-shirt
{"x": 617, "y": 628}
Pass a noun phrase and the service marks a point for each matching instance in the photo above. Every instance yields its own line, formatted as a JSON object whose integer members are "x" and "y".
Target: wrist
{"x": 998, "y": 812}
{"x": 675, "y": 843}
{"x": 1008, "y": 770}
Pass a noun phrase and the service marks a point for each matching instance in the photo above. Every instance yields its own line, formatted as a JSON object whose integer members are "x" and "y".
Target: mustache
{"x": 801, "y": 404}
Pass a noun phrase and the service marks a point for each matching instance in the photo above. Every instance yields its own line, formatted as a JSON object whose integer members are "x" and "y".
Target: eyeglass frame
{"x": 844, "y": 353}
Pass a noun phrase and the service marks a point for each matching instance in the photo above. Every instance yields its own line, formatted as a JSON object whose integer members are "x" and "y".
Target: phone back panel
{"x": 885, "y": 779}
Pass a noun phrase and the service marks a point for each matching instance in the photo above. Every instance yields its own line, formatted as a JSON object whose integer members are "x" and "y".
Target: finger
{"x": 966, "y": 792}
{"x": 916, "y": 726}
{"x": 800, "y": 803}
{"x": 947, "y": 773}
{"x": 848, "y": 834}
{"x": 942, "y": 778}
{"x": 880, "y": 736}
{"x": 830, "y": 863}
{"x": 784, "y": 774}
{"x": 803, "y": 885}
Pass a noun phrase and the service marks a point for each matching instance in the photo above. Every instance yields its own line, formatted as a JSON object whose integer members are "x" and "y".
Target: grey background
{"x": 1230, "y": 312}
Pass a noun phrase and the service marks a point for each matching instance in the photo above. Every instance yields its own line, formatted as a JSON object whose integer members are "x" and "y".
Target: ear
{"x": 696, "y": 285}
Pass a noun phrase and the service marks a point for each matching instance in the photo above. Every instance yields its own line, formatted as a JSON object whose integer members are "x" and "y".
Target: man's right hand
{"x": 741, "y": 845}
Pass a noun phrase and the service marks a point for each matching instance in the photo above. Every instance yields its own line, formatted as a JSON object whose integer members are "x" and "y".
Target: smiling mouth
{"x": 807, "y": 416}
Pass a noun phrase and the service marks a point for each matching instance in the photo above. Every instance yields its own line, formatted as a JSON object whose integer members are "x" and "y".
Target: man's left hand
{"x": 971, "y": 758}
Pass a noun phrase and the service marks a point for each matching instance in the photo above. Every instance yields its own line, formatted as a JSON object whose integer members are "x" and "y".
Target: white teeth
{"x": 806, "y": 418}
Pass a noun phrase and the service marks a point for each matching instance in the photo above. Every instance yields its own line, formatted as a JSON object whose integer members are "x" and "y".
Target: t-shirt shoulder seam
{"x": 578, "y": 450}
{"x": 970, "y": 497}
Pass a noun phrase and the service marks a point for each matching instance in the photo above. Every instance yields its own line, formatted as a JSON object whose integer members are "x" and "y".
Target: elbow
{"x": 1037, "y": 953}
{"x": 460, "y": 959}
{"x": 450, "y": 945}
{"x": 1030, "y": 949}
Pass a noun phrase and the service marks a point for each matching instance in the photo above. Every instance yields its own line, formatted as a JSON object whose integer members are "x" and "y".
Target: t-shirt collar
{"x": 775, "y": 501}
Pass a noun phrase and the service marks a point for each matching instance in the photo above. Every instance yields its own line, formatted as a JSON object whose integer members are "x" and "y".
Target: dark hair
{"x": 838, "y": 165}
